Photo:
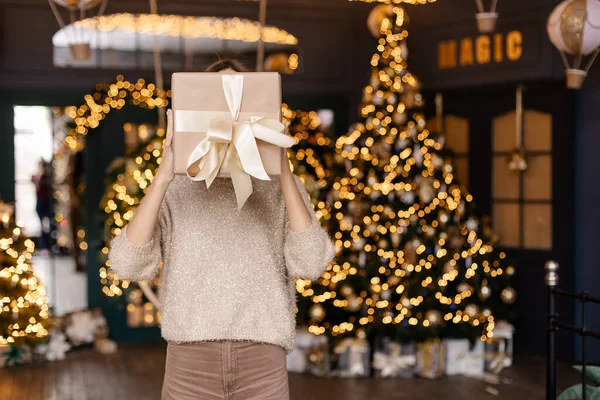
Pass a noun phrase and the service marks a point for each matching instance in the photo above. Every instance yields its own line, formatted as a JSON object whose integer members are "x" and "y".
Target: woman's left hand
{"x": 286, "y": 168}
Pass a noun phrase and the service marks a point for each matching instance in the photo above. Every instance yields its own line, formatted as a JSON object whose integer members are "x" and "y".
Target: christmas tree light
{"x": 24, "y": 312}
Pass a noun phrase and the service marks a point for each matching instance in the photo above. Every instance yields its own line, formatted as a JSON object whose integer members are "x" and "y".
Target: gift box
{"x": 228, "y": 125}
{"x": 394, "y": 360}
{"x": 297, "y": 360}
{"x": 353, "y": 358}
{"x": 499, "y": 348}
{"x": 431, "y": 359}
{"x": 319, "y": 361}
{"x": 462, "y": 358}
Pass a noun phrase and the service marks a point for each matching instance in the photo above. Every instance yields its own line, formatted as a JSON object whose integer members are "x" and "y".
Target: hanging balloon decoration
{"x": 574, "y": 28}
{"x": 486, "y": 20}
{"x": 79, "y": 41}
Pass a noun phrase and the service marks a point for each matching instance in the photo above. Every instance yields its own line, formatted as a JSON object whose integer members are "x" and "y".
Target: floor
{"x": 135, "y": 373}
{"x": 65, "y": 287}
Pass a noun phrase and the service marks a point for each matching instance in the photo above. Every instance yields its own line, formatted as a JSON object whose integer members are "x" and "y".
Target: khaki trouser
{"x": 230, "y": 370}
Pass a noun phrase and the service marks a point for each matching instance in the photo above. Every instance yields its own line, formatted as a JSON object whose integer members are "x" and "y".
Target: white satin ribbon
{"x": 233, "y": 143}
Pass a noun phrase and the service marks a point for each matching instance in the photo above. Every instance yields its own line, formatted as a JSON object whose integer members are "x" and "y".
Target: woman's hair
{"x": 226, "y": 64}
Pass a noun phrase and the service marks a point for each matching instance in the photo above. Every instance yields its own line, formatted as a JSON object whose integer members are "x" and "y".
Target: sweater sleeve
{"x": 308, "y": 251}
{"x": 135, "y": 262}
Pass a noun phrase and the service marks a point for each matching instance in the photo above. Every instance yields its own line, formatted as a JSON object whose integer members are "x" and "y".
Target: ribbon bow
{"x": 232, "y": 143}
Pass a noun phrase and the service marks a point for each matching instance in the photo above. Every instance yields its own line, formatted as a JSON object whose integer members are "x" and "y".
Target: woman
{"x": 228, "y": 298}
{"x": 43, "y": 204}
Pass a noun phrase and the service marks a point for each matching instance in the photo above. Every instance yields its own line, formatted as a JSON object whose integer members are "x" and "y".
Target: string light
{"x": 189, "y": 27}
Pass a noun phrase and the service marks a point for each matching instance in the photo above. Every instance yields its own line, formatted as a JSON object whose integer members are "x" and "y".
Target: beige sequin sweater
{"x": 226, "y": 275}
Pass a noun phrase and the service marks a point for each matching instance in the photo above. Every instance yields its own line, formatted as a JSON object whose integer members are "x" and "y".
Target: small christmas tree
{"x": 414, "y": 261}
{"x": 24, "y": 312}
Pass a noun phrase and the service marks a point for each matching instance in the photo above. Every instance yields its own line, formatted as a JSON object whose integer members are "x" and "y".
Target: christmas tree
{"x": 24, "y": 313}
{"x": 414, "y": 262}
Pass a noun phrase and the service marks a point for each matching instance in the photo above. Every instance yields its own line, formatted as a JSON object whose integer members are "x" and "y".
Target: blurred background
{"x": 465, "y": 132}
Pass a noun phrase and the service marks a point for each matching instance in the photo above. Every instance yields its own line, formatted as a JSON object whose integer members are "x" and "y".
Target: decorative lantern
{"x": 79, "y": 45}
{"x": 574, "y": 28}
{"x": 486, "y": 20}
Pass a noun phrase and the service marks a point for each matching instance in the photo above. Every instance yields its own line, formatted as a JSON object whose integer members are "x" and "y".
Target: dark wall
{"x": 587, "y": 198}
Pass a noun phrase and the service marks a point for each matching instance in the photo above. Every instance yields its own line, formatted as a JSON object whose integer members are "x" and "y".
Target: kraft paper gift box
{"x": 228, "y": 125}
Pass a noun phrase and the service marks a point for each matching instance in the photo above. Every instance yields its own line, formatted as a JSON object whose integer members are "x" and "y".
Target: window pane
{"x": 538, "y": 178}
{"x": 462, "y": 170}
{"x": 457, "y": 134}
{"x": 538, "y": 226}
{"x": 25, "y": 209}
{"x": 506, "y": 224}
{"x": 504, "y": 132}
{"x": 538, "y": 131}
{"x": 506, "y": 184}
{"x": 33, "y": 142}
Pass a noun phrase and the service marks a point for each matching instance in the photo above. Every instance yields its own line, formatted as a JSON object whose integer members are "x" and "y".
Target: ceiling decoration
{"x": 128, "y": 40}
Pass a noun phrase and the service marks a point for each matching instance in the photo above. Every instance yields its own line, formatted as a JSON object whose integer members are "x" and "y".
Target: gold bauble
{"x": 509, "y": 295}
{"x": 346, "y": 290}
{"x": 353, "y": 304}
{"x": 434, "y": 317}
{"x": 360, "y": 333}
{"x": 278, "y": 62}
{"x": 317, "y": 312}
{"x": 485, "y": 292}
{"x": 449, "y": 267}
{"x": 463, "y": 287}
{"x": 471, "y": 310}
{"x": 393, "y": 280}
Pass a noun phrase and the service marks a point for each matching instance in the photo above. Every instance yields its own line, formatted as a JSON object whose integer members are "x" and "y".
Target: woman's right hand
{"x": 166, "y": 170}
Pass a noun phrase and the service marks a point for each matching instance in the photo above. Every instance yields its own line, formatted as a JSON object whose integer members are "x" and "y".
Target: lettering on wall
{"x": 481, "y": 50}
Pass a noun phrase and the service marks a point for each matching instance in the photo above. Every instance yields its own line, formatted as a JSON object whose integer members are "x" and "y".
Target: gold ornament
{"x": 471, "y": 310}
{"x": 485, "y": 292}
{"x": 317, "y": 312}
{"x": 360, "y": 333}
{"x": 393, "y": 281}
{"x": 509, "y": 295}
{"x": 517, "y": 161}
{"x": 449, "y": 267}
{"x": 434, "y": 317}
{"x": 353, "y": 303}
{"x": 464, "y": 287}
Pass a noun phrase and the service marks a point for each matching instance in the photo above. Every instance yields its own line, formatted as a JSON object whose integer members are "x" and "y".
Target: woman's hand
{"x": 286, "y": 170}
{"x": 166, "y": 171}
{"x": 298, "y": 213}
